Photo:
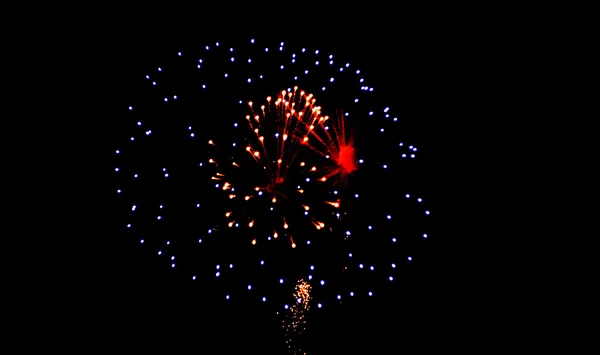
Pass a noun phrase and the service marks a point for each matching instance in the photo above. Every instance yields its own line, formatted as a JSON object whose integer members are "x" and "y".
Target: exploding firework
{"x": 280, "y": 130}
{"x": 231, "y": 194}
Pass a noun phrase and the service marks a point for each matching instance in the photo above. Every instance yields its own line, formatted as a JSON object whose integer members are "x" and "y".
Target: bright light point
{"x": 419, "y": 199}
{"x": 393, "y": 240}
{"x": 280, "y": 281}
{"x": 393, "y": 266}
{"x": 159, "y": 217}
{"x": 266, "y": 49}
{"x": 361, "y": 161}
{"x": 308, "y": 242}
{"x": 227, "y": 297}
{"x": 116, "y": 169}
{"x": 249, "y": 287}
{"x": 172, "y": 265}
{"x": 264, "y": 299}
{"x": 281, "y": 67}
{"x": 348, "y": 233}
{"x": 323, "y": 88}
{"x": 199, "y": 240}
{"x": 307, "y": 179}
{"x": 312, "y": 267}
{"x": 339, "y": 297}
{"x": 350, "y": 254}
{"x": 119, "y": 191}
{"x": 331, "y": 80}
{"x": 427, "y": 212}
{"x": 371, "y": 89}
{"x": 384, "y": 166}
{"x": 286, "y": 306}
{"x": 391, "y": 278}
{"x": 370, "y": 227}
{"x": 372, "y": 268}
{"x": 409, "y": 258}
{"x": 355, "y": 100}
{"x": 322, "y": 282}
{"x": 160, "y": 252}
{"x": 231, "y": 266}
{"x": 249, "y": 60}
{"x": 225, "y": 74}
{"x": 424, "y": 235}
{"x": 135, "y": 176}
{"x": 310, "y": 277}
{"x": 166, "y": 99}
{"x": 252, "y": 41}
{"x": 218, "y": 274}
{"x": 193, "y": 277}
{"x": 412, "y": 155}
{"x": 319, "y": 305}
{"x": 249, "y": 80}
{"x": 370, "y": 293}
{"x": 262, "y": 262}
{"x": 306, "y": 72}
{"x": 142, "y": 241}
{"x": 204, "y": 86}
{"x": 351, "y": 294}
{"x": 159, "y": 69}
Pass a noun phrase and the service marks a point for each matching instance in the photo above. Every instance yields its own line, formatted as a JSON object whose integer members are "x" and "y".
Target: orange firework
{"x": 295, "y": 322}
{"x": 280, "y": 129}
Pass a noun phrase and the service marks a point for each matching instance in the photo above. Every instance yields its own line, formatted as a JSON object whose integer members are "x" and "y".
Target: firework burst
{"x": 286, "y": 134}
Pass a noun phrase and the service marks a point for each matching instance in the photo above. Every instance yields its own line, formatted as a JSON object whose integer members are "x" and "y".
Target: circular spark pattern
{"x": 197, "y": 189}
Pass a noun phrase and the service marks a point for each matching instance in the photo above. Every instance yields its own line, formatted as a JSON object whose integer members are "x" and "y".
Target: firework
{"x": 248, "y": 197}
{"x": 279, "y": 130}
{"x": 295, "y": 321}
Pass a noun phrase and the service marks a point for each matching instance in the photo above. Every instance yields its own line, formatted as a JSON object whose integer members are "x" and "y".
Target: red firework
{"x": 299, "y": 122}
{"x": 281, "y": 128}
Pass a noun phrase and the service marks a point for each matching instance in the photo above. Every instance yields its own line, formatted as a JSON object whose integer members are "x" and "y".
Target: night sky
{"x": 150, "y": 301}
